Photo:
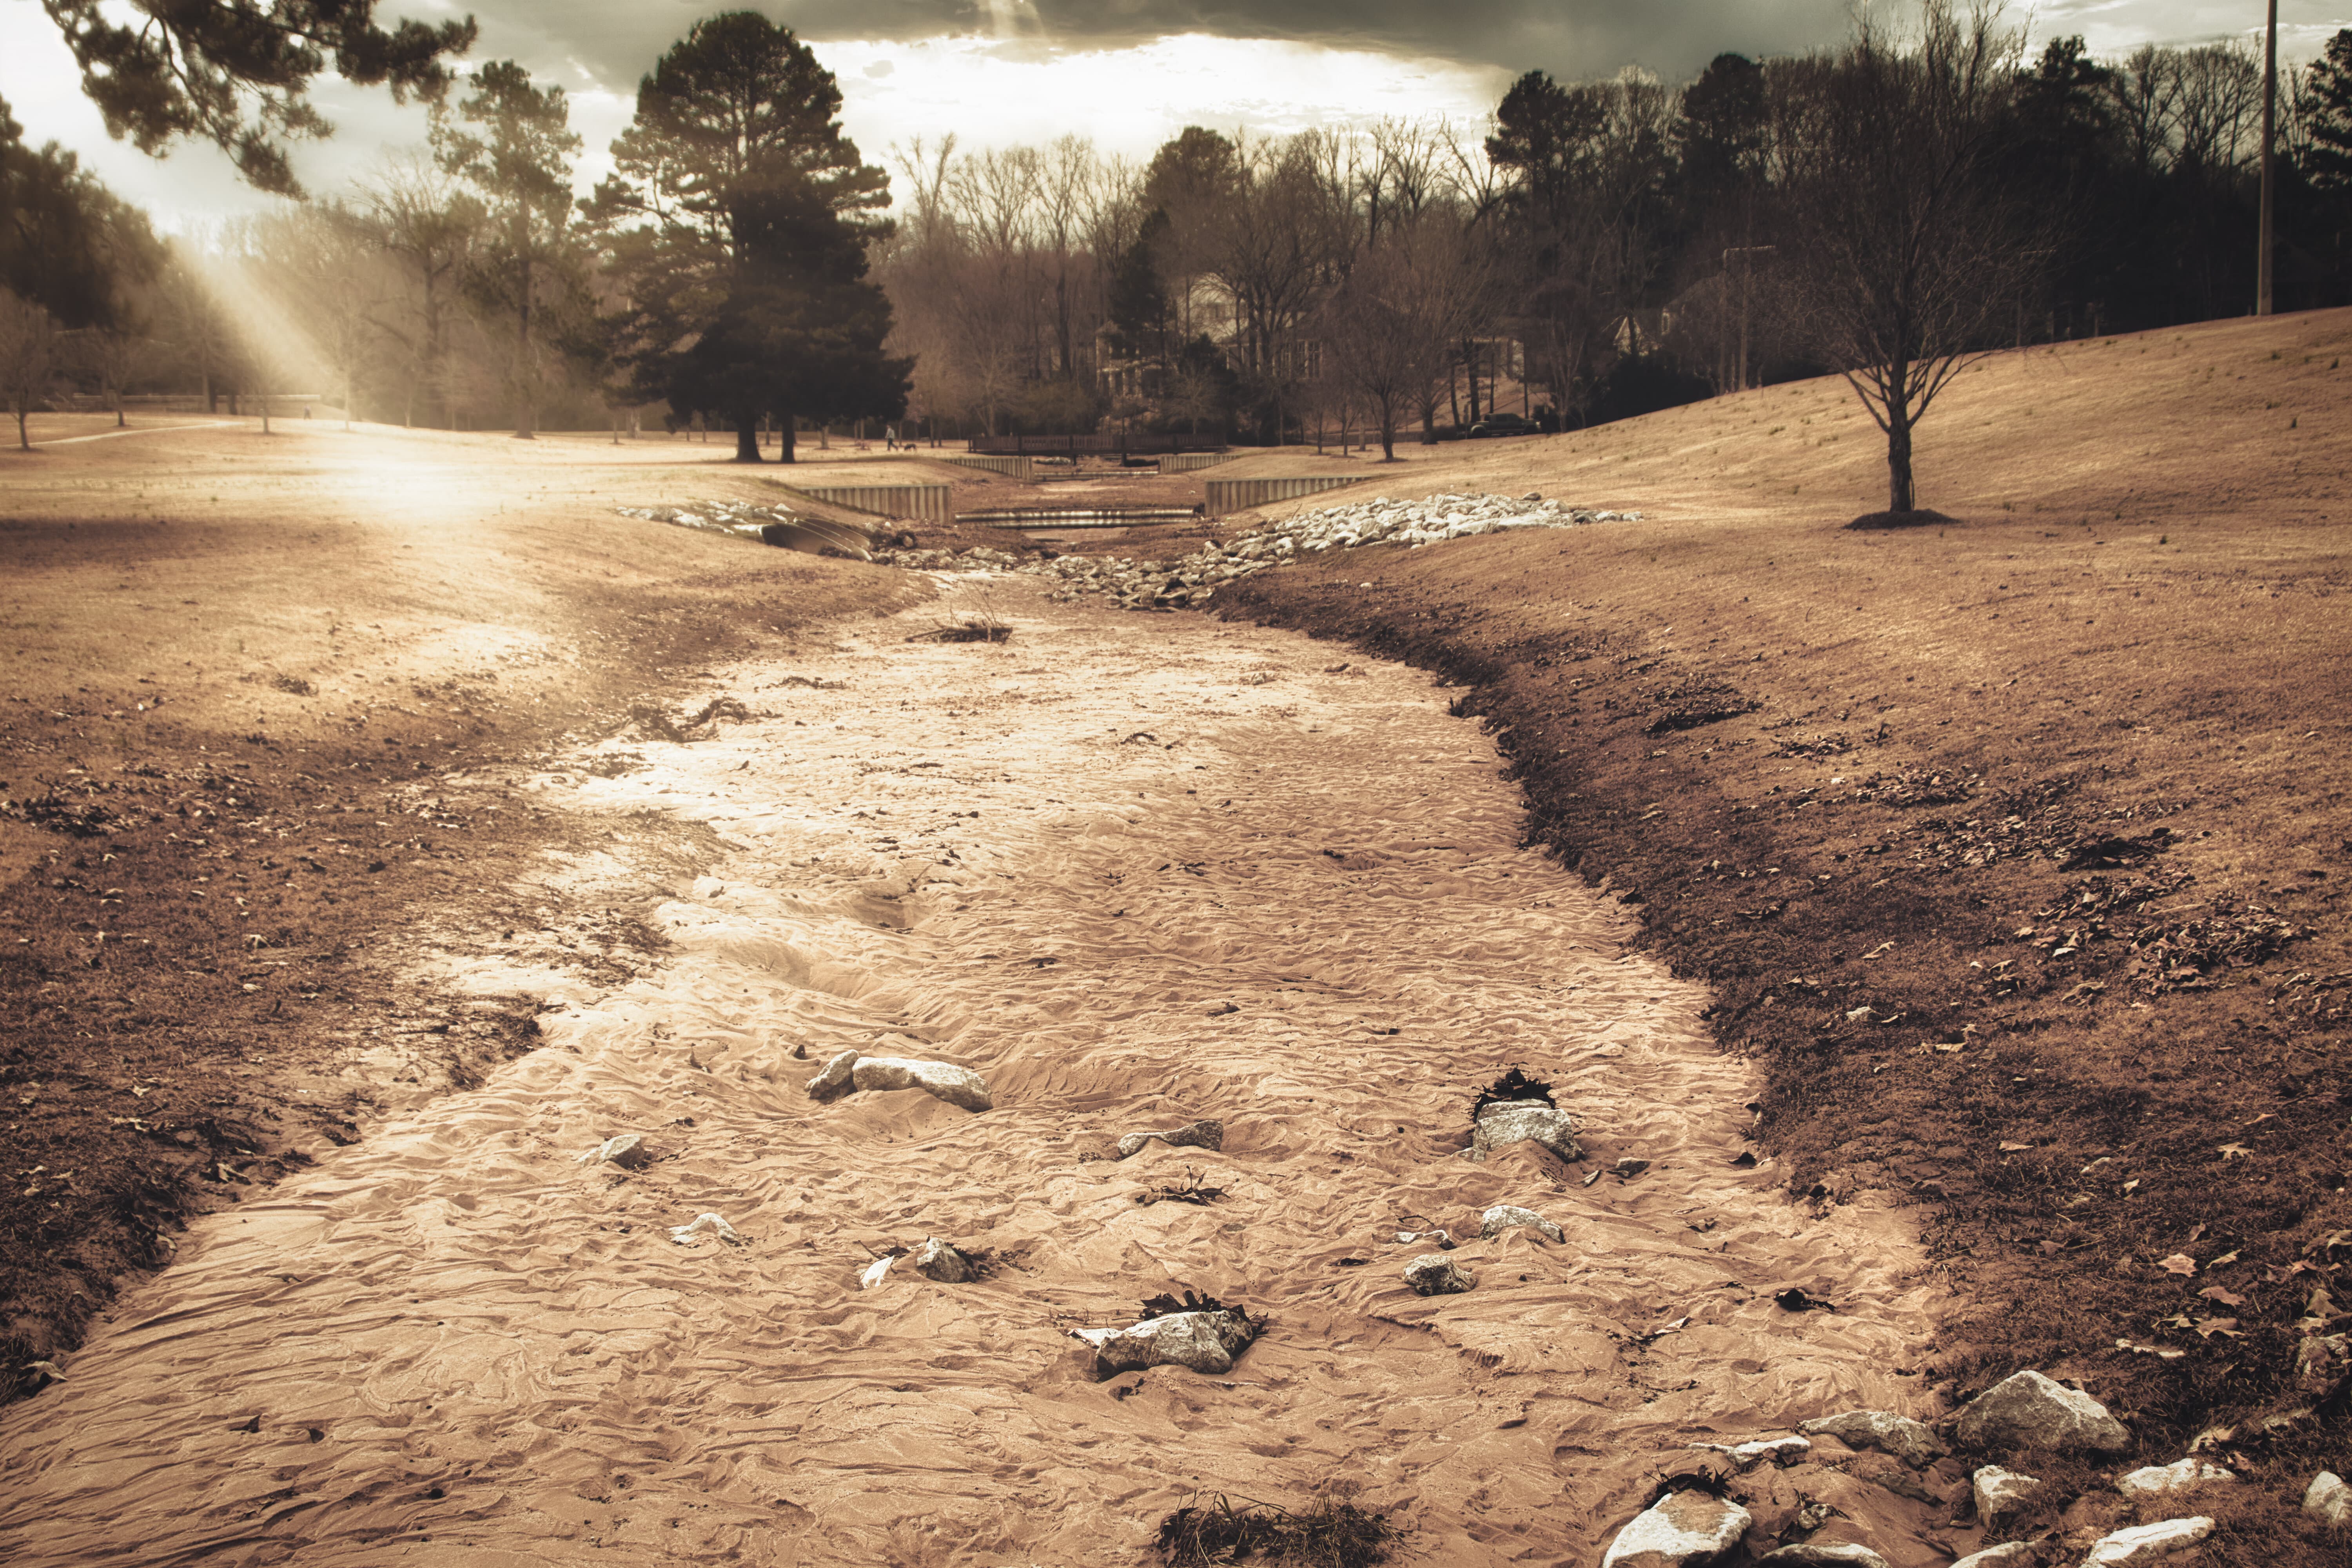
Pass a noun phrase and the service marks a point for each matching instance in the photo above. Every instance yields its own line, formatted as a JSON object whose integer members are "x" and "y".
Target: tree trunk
{"x": 747, "y": 440}
{"x": 522, "y": 359}
{"x": 23, "y": 443}
{"x": 1899, "y": 461}
{"x": 784, "y": 423}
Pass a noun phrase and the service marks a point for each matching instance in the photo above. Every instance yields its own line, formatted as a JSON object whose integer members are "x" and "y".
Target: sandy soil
{"x": 1048, "y": 860}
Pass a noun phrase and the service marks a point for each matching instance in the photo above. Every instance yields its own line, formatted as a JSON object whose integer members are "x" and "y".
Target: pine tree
{"x": 2329, "y": 161}
{"x": 739, "y": 218}
{"x": 515, "y": 146}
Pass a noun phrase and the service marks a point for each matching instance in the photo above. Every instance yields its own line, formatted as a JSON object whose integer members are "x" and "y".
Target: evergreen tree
{"x": 239, "y": 72}
{"x": 2329, "y": 162}
{"x": 739, "y": 217}
{"x": 515, "y": 146}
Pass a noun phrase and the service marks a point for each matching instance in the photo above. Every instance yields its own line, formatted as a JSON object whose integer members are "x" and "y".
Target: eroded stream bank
{"x": 1133, "y": 871}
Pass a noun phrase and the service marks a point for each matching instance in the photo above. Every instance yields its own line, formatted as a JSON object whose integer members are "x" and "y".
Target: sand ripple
{"x": 1047, "y": 861}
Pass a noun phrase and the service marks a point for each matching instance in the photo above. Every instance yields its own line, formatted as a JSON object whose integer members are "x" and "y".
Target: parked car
{"x": 1505, "y": 425}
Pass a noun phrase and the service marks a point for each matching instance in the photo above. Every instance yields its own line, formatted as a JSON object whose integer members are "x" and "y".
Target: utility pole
{"x": 1748, "y": 254}
{"x": 2262, "y": 255}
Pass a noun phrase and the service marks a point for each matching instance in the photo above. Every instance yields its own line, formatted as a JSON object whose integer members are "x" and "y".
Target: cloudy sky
{"x": 1129, "y": 73}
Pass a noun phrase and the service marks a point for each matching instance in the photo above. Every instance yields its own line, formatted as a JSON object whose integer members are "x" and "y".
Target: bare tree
{"x": 28, "y": 357}
{"x": 429, "y": 224}
{"x": 1908, "y": 248}
{"x": 1388, "y": 331}
{"x": 113, "y": 355}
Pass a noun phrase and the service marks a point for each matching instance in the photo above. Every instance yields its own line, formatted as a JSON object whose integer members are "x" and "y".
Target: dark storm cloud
{"x": 1567, "y": 38}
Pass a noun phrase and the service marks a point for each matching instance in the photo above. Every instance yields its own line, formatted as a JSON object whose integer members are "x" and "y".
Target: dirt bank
{"x": 2013, "y": 851}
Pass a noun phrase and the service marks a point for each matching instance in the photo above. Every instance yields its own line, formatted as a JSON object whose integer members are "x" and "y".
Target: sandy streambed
{"x": 1047, "y": 860}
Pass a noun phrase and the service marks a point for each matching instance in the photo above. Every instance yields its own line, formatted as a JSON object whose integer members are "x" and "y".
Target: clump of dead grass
{"x": 1331, "y": 1531}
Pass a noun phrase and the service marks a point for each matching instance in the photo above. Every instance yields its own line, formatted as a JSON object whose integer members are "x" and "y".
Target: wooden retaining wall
{"x": 1185, "y": 462}
{"x": 918, "y": 502}
{"x": 1010, "y": 467}
{"x": 1239, "y": 495}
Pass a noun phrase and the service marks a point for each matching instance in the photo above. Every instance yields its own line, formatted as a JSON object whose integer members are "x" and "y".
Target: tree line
{"x": 1598, "y": 248}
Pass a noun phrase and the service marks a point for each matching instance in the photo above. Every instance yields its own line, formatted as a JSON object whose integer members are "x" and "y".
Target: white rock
{"x": 1206, "y": 1133}
{"x": 2001, "y": 1493}
{"x": 875, "y": 1272}
{"x": 1908, "y": 1440}
{"x": 1507, "y": 1217}
{"x": 950, "y": 1265}
{"x": 832, "y": 1080}
{"x": 703, "y": 1225}
{"x": 1823, "y": 1554}
{"x": 2008, "y": 1554}
{"x": 2148, "y": 1543}
{"x": 2027, "y": 1410}
{"x": 1434, "y": 1274}
{"x": 959, "y": 1087}
{"x": 1679, "y": 1529}
{"x": 1780, "y": 1450}
{"x": 1204, "y": 1341}
{"x": 2153, "y": 1480}
{"x": 1524, "y": 1121}
{"x": 627, "y": 1150}
{"x": 2328, "y": 1499}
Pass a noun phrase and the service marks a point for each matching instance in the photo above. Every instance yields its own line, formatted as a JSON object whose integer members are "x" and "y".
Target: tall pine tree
{"x": 739, "y": 216}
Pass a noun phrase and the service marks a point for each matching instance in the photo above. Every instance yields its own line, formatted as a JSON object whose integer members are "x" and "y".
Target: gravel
{"x": 1187, "y": 581}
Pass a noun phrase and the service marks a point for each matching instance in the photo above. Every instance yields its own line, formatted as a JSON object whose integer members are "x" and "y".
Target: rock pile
{"x": 1188, "y": 582}
{"x": 1206, "y": 1342}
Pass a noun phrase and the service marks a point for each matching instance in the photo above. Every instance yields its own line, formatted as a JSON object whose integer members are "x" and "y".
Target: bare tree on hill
{"x": 1908, "y": 249}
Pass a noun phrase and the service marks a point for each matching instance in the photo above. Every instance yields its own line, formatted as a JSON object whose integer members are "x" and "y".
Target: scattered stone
{"x": 1629, "y": 1167}
{"x": 1908, "y": 1440}
{"x": 1190, "y": 581}
{"x": 2148, "y": 1543}
{"x": 1679, "y": 1530}
{"x": 1434, "y": 1274}
{"x": 1204, "y": 1341}
{"x": 1203, "y": 1134}
{"x": 2027, "y": 1410}
{"x": 1748, "y": 1456}
{"x": 1823, "y": 1554}
{"x": 2330, "y": 1500}
{"x": 935, "y": 1260}
{"x": 833, "y": 1079}
{"x": 1507, "y": 1217}
{"x": 1524, "y": 1121}
{"x": 2153, "y": 1480}
{"x": 627, "y": 1150}
{"x": 2001, "y": 1493}
{"x": 850, "y": 1071}
{"x": 2008, "y": 1554}
{"x": 959, "y": 1087}
{"x": 703, "y": 1225}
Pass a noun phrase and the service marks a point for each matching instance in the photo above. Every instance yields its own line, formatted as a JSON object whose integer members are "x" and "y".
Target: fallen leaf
{"x": 1858, "y": 1015}
{"x": 2130, "y": 1185}
{"x": 2178, "y": 1263}
{"x": 2227, "y": 1298}
{"x": 1879, "y": 952}
{"x": 2225, "y": 1258}
{"x": 2234, "y": 1150}
{"x": 2015, "y": 1148}
{"x": 2164, "y": 1353}
{"x": 2208, "y": 1326}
